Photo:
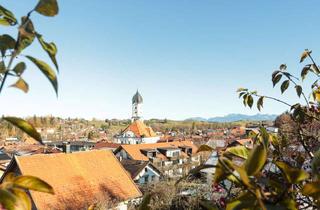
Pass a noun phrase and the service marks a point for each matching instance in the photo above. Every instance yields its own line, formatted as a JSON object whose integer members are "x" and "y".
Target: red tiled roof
{"x": 134, "y": 150}
{"x": 106, "y": 144}
{"x": 78, "y": 179}
{"x": 140, "y": 129}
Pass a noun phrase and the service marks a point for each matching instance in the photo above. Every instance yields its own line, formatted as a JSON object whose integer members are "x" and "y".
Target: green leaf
{"x": 6, "y": 43}
{"x": 2, "y": 67}
{"x": 50, "y": 48}
{"x": 256, "y": 159}
{"x": 298, "y": 90}
{"x": 242, "y": 90}
{"x": 8, "y": 200}
{"x": 205, "y": 148}
{"x": 220, "y": 173}
{"x": 9, "y": 177}
{"x": 312, "y": 189}
{"x": 7, "y": 17}
{"x": 47, "y": 71}
{"x": 304, "y": 55}
{"x": 26, "y": 34}
{"x": 292, "y": 175}
{"x": 33, "y": 183}
{"x": 47, "y": 7}
{"x": 243, "y": 175}
{"x": 305, "y": 71}
{"x": 315, "y": 68}
{"x": 283, "y": 67}
{"x": 260, "y": 103}
{"x": 25, "y": 126}
{"x": 275, "y": 73}
{"x": 244, "y": 201}
{"x": 245, "y": 99}
{"x": 241, "y": 94}
{"x": 239, "y": 151}
{"x": 21, "y": 84}
{"x": 276, "y": 79}
{"x": 23, "y": 200}
{"x": 316, "y": 94}
{"x": 250, "y": 101}
{"x": 19, "y": 68}
{"x": 285, "y": 85}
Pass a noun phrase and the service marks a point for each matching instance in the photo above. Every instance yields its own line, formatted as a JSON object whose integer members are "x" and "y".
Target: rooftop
{"x": 140, "y": 129}
{"x": 134, "y": 150}
{"x": 134, "y": 167}
{"x": 78, "y": 179}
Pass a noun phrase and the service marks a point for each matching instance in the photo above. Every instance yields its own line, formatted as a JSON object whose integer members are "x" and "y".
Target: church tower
{"x": 137, "y": 106}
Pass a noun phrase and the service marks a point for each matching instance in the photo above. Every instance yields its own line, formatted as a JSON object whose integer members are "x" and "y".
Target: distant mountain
{"x": 196, "y": 119}
{"x": 236, "y": 117}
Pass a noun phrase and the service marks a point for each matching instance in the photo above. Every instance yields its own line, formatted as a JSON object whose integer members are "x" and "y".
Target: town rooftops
{"x": 78, "y": 179}
{"x": 140, "y": 129}
{"x": 134, "y": 150}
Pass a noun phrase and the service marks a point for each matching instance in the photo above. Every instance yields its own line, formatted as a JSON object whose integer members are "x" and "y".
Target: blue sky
{"x": 186, "y": 57}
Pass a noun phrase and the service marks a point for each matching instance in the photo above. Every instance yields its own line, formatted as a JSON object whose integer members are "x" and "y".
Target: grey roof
{"x": 137, "y": 98}
{"x": 134, "y": 167}
{"x": 4, "y": 156}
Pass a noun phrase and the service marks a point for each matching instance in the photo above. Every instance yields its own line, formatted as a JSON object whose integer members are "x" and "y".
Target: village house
{"x": 107, "y": 145}
{"x": 142, "y": 172}
{"x": 79, "y": 180}
{"x": 173, "y": 159}
{"x": 71, "y": 146}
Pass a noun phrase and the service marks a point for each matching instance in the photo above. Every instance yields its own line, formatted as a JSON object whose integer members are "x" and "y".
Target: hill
{"x": 236, "y": 117}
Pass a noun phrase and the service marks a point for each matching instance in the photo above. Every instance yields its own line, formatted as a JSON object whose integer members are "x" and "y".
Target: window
{"x": 175, "y": 154}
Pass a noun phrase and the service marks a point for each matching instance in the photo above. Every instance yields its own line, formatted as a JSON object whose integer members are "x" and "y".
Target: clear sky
{"x": 186, "y": 57}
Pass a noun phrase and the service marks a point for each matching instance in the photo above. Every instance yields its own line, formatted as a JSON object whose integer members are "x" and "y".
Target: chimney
{"x": 66, "y": 147}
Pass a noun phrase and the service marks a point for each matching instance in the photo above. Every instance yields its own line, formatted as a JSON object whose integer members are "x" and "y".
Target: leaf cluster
{"x": 13, "y": 193}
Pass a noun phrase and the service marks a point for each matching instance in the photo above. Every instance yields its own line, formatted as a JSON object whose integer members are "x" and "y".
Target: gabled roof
{"x": 134, "y": 167}
{"x": 134, "y": 150}
{"x": 106, "y": 145}
{"x": 140, "y": 129}
{"x": 79, "y": 179}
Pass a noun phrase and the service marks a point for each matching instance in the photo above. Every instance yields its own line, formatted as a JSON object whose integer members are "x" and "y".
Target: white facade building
{"x": 137, "y": 132}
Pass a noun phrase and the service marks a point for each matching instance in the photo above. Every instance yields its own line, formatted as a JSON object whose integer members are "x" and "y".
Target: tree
{"x": 274, "y": 174}
{"x": 280, "y": 171}
{"x": 12, "y": 189}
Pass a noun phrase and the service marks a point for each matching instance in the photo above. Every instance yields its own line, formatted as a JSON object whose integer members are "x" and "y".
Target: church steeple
{"x": 137, "y": 98}
{"x": 137, "y": 101}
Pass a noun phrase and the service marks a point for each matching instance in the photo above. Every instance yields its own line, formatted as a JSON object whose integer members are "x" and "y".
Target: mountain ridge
{"x": 235, "y": 117}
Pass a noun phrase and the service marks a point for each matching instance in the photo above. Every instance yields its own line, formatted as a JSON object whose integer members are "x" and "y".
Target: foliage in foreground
{"x": 280, "y": 171}
{"x": 13, "y": 193}
{"x": 269, "y": 177}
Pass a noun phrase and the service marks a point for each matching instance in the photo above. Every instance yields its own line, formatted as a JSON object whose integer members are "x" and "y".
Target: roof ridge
{"x": 121, "y": 166}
